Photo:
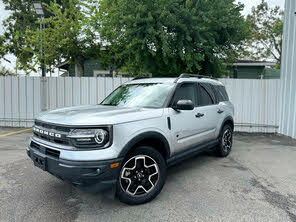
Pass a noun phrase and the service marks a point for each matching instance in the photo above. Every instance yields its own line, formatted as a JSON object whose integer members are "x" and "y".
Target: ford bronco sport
{"x": 127, "y": 142}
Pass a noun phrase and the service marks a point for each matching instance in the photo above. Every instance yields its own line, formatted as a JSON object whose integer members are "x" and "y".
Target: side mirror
{"x": 184, "y": 105}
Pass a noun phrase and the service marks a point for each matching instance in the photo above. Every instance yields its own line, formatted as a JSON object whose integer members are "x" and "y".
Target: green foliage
{"x": 168, "y": 37}
{"x": 163, "y": 37}
{"x": 3, "y": 47}
{"x": 22, "y": 18}
{"x": 65, "y": 36}
{"x": 6, "y": 72}
{"x": 266, "y": 28}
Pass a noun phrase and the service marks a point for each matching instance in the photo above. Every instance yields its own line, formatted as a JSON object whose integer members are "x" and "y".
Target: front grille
{"x": 35, "y": 145}
{"x": 63, "y": 140}
{"x": 53, "y": 153}
{"x": 52, "y": 127}
{"x": 54, "y": 130}
{"x": 44, "y": 150}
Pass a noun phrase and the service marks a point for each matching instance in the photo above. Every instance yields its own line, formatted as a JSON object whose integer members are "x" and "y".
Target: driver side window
{"x": 187, "y": 91}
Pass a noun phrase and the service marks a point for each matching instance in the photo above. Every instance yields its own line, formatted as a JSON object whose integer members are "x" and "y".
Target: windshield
{"x": 139, "y": 95}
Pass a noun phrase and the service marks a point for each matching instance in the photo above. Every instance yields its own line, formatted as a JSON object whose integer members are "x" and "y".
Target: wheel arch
{"x": 227, "y": 121}
{"x": 151, "y": 138}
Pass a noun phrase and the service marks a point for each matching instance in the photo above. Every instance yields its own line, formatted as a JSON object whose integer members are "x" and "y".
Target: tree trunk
{"x": 79, "y": 66}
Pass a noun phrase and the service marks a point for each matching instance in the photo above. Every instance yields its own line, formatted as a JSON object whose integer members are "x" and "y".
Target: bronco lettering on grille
{"x": 44, "y": 132}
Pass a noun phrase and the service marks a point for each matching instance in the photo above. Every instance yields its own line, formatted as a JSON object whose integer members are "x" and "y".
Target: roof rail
{"x": 187, "y": 75}
{"x": 140, "y": 78}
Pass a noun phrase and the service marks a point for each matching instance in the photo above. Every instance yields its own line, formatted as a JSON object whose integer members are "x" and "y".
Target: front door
{"x": 184, "y": 122}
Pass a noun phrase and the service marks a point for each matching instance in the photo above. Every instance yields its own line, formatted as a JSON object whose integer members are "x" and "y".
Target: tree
{"x": 22, "y": 18}
{"x": 266, "y": 27}
{"x": 67, "y": 35}
{"x": 3, "y": 48}
{"x": 168, "y": 37}
{"x": 6, "y": 72}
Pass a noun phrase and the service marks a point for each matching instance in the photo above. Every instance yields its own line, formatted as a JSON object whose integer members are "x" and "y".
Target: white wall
{"x": 287, "y": 119}
{"x": 256, "y": 102}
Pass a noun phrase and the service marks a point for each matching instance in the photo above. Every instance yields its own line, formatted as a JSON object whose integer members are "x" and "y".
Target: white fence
{"x": 256, "y": 102}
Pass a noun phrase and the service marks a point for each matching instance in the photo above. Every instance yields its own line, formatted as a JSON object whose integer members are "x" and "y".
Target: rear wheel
{"x": 225, "y": 142}
{"x": 142, "y": 176}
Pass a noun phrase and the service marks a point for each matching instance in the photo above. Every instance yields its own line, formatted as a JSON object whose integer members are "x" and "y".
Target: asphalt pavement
{"x": 257, "y": 182}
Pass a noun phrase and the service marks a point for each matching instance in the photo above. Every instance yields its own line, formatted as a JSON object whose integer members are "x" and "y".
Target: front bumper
{"x": 90, "y": 176}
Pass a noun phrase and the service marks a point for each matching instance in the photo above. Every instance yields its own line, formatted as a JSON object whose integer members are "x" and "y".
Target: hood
{"x": 92, "y": 115}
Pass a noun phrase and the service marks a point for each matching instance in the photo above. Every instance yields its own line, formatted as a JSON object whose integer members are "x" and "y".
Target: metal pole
{"x": 43, "y": 82}
{"x": 42, "y": 49}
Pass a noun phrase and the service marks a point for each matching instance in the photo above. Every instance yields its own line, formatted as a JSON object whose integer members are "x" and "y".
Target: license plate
{"x": 39, "y": 161}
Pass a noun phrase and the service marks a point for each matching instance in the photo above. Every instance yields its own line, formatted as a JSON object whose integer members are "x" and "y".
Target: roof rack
{"x": 187, "y": 75}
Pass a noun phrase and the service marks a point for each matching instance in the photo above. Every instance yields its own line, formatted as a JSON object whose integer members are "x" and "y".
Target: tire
{"x": 225, "y": 142}
{"x": 134, "y": 176}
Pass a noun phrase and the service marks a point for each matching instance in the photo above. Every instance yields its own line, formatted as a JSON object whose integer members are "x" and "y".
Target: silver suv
{"x": 127, "y": 142}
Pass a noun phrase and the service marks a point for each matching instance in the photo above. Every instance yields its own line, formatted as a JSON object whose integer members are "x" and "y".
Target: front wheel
{"x": 225, "y": 142}
{"x": 142, "y": 176}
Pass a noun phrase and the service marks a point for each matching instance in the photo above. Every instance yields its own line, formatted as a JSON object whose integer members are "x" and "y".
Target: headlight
{"x": 101, "y": 136}
{"x": 91, "y": 138}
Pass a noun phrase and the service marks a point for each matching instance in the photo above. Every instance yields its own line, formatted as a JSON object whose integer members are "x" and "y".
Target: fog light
{"x": 98, "y": 170}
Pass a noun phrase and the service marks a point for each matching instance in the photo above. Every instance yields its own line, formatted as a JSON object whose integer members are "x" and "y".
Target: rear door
{"x": 223, "y": 103}
{"x": 207, "y": 111}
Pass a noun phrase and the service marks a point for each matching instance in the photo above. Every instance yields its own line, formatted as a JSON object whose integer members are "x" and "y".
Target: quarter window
{"x": 221, "y": 93}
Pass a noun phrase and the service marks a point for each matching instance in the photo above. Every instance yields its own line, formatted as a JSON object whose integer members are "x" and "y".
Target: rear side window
{"x": 221, "y": 93}
{"x": 204, "y": 97}
{"x": 209, "y": 88}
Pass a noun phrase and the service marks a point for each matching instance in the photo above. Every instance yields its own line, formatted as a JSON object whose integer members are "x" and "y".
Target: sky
{"x": 250, "y": 3}
{"x": 248, "y": 6}
{"x": 4, "y": 14}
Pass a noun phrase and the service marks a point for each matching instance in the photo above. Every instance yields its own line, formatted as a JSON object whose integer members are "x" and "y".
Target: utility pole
{"x": 43, "y": 86}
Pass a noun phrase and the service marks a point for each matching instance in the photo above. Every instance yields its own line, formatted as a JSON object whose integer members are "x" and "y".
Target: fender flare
{"x": 228, "y": 118}
{"x": 143, "y": 136}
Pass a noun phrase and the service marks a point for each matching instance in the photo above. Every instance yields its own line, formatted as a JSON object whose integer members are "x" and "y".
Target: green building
{"x": 246, "y": 69}
{"x": 92, "y": 68}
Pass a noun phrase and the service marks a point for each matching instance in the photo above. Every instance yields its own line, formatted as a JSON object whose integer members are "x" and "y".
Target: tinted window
{"x": 209, "y": 88}
{"x": 204, "y": 98}
{"x": 224, "y": 93}
{"x": 221, "y": 93}
{"x": 186, "y": 91}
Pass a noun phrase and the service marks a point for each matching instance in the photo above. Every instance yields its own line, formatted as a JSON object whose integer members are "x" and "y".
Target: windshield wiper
{"x": 107, "y": 104}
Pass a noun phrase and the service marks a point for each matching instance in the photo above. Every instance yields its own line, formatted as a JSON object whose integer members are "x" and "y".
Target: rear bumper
{"x": 90, "y": 176}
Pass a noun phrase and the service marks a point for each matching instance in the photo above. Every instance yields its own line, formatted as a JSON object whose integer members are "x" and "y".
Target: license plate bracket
{"x": 39, "y": 161}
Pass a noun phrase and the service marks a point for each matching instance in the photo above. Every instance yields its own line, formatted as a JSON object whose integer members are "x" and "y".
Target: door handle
{"x": 220, "y": 111}
{"x": 198, "y": 115}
